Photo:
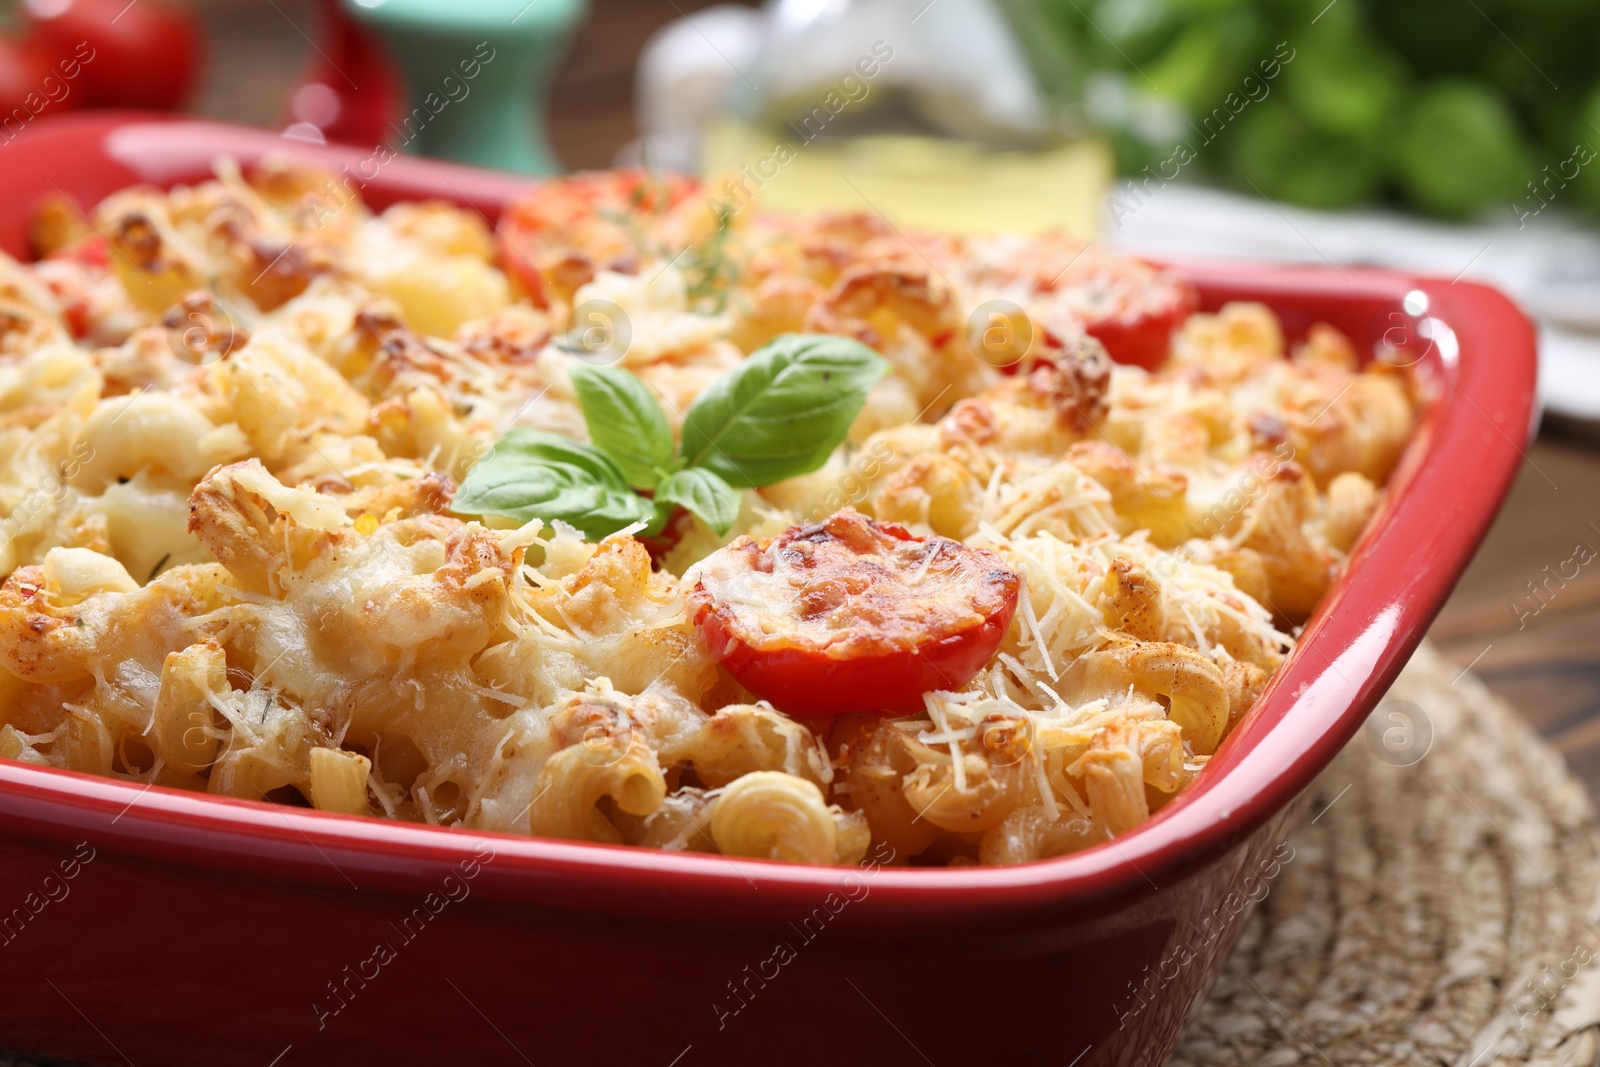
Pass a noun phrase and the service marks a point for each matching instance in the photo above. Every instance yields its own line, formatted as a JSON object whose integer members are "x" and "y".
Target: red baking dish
{"x": 149, "y": 926}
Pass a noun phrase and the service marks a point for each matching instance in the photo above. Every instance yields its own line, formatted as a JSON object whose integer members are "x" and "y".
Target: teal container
{"x": 477, "y": 72}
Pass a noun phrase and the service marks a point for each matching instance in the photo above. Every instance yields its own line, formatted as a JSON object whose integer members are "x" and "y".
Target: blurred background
{"x": 1456, "y": 137}
{"x": 1451, "y": 136}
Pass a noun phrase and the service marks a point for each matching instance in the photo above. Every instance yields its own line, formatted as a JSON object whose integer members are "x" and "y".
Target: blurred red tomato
{"x": 141, "y": 54}
{"x": 351, "y": 89}
{"x": 1141, "y": 332}
{"x": 18, "y": 77}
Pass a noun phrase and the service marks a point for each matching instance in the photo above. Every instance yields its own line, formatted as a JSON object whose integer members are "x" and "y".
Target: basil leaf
{"x": 782, "y": 411}
{"x": 530, "y": 474}
{"x": 624, "y": 421}
{"x": 704, "y": 493}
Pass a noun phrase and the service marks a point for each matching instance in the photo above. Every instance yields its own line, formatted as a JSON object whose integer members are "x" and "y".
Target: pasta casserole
{"x": 638, "y": 522}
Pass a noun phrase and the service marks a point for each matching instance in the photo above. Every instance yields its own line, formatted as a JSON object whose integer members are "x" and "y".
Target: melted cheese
{"x": 844, "y": 588}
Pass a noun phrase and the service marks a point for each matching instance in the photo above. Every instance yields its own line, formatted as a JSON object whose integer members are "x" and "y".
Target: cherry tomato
{"x": 145, "y": 54}
{"x": 1130, "y": 306}
{"x": 556, "y": 237}
{"x": 852, "y": 615}
{"x": 1141, "y": 332}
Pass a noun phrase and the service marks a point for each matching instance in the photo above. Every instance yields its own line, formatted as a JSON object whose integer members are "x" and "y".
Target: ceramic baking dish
{"x": 206, "y": 931}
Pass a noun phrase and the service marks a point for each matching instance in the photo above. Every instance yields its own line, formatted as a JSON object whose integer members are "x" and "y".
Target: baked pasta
{"x": 1010, "y": 612}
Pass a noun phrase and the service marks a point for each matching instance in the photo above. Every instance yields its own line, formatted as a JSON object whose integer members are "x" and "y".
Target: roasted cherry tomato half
{"x": 852, "y": 615}
{"x": 122, "y": 55}
{"x": 1130, "y": 306}
{"x": 556, "y": 237}
{"x": 1141, "y": 332}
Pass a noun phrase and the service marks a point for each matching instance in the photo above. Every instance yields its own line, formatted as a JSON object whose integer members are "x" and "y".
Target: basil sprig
{"x": 779, "y": 414}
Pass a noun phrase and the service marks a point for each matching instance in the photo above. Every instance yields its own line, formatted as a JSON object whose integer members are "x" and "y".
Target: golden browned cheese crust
{"x": 847, "y": 587}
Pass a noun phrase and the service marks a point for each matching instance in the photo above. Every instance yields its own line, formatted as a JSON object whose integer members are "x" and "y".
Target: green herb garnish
{"x": 703, "y": 493}
{"x": 779, "y": 414}
{"x": 531, "y": 474}
{"x": 709, "y": 272}
{"x": 782, "y": 412}
{"x": 625, "y": 421}
{"x": 162, "y": 562}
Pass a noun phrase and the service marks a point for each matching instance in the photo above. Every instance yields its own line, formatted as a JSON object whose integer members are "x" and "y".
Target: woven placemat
{"x": 1440, "y": 907}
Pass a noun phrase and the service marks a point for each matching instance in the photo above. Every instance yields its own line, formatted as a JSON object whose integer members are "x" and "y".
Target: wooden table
{"x": 1544, "y": 656}
{"x": 1526, "y": 624}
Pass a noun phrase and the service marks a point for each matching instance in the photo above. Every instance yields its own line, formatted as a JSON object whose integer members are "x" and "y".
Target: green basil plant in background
{"x": 779, "y": 414}
{"x": 1449, "y": 107}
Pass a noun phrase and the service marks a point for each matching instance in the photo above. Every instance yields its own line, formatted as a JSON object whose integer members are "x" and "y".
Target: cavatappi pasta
{"x": 233, "y": 417}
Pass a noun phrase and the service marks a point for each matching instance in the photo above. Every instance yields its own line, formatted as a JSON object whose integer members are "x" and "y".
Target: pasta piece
{"x": 852, "y": 836}
{"x": 1244, "y": 682}
{"x": 1031, "y": 833}
{"x": 74, "y": 573}
{"x": 575, "y": 780}
{"x": 1132, "y": 601}
{"x": 184, "y": 730}
{"x": 1191, "y": 683}
{"x": 339, "y": 781}
{"x": 772, "y": 815}
{"x": 934, "y": 492}
{"x": 42, "y": 641}
{"x": 877, "y": 760}
{"x": 155, "y": 263}
{"x": 682, "y": 823}
{"x": 1351, "y": 501}
{"x": 987, "y": 787}
{"x": 153, "y": 432}
{"x": 1113, "y": 772}
{"x": 743, "y": 738}
{"x": 906, "y": 311}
